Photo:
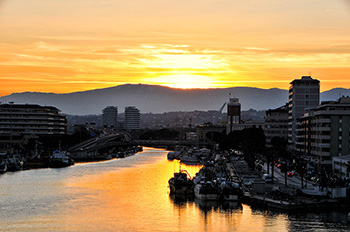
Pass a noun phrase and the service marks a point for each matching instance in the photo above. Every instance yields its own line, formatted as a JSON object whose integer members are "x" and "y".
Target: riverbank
{"x": 278, "y": 196}
{"x": 226, "y": 167}
{"x": 58, "y": 159}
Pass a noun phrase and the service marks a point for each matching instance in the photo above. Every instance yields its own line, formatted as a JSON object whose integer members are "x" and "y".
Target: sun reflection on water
{"x": 128, "y": 194}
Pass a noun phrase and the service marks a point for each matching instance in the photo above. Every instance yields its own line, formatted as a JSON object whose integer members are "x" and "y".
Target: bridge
{"x": 97, "y": 147}
{"x": 171, "y": 144}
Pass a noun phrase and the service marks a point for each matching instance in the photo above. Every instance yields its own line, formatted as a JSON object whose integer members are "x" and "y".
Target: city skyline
{"x": 76, "y": 46}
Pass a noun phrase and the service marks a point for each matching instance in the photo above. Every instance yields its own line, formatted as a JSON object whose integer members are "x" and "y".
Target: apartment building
{"x": 304, "y": 93}
{"x": 132, "y": 118}
{"x": 324, "y": 132}
{"x": 110, "y": 117}
{"x": 276, "y": 124}
{"x": 18, "y": 121}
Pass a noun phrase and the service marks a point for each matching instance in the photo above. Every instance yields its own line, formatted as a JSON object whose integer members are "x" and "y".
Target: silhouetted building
{"x": 19, "y": 122}
{"x": 303, "y": 93}
{"x": 207, "y": 130}
{"x": 233, "y": 113}
{"x": 110, "y": 117}
{"x": 132, "y": 118}
{"x": 276, "y": 124}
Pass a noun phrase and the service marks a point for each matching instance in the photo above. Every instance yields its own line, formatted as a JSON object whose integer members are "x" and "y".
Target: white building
{"x": 132, "y": 118}
{"x": 110, "y": 117}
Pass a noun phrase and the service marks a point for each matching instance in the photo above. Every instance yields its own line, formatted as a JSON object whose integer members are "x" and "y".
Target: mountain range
{"x": 159, "y": 99}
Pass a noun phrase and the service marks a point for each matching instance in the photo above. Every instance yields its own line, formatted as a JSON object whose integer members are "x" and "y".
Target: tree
{"x": 285, "y": 168}
{"x": 252, "y": 141}
{"x": 280, "y": 151}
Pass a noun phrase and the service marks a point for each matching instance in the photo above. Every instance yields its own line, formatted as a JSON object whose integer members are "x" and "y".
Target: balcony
{"x": 321, "y": 120}
{"x": 321, "y": 129}
{"x": 321, "y": 153}
{"x": 321, "y": 145}
{"x": 321, "y": 137}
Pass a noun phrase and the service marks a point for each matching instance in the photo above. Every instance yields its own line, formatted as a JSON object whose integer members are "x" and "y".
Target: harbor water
{"x": 132, "y": 194}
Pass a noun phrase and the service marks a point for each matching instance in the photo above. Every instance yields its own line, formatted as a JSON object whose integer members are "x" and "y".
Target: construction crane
{"x": 215, "y": 119}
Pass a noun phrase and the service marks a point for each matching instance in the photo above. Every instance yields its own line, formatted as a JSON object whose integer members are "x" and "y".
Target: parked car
{"x": 267, "y": 178}
{"x": 315, "y": 179}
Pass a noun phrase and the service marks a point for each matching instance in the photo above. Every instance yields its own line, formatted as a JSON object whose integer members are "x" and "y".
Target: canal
{"x": 132, "y": 194}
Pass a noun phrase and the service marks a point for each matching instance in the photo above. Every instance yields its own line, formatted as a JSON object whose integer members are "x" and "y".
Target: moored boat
{"x": 3, "y": 166}
{"x": 14, "y": 164}
{"x": 189, "y": 159}
{"x": 230, "y": 191}
{"x": 60, "y": 159}
{"x": 206, "y": 191}
{"x": 181, "y": 183}
{"x": 171, "y": 155}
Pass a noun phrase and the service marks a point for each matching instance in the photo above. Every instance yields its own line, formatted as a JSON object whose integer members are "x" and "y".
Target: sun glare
{"x": 185, "y": 81}
{"x": 182, "y": 67}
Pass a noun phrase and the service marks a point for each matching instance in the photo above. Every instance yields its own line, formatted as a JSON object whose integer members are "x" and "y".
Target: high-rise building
{"x": 110, "y": 117}
{"x": 304, "y": 93}
{"x": 233, "y": 113}
{"x": 132, "y": 118}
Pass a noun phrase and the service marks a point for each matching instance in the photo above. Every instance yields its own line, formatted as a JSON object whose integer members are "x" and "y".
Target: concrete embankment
{"x": 276, "y": 195}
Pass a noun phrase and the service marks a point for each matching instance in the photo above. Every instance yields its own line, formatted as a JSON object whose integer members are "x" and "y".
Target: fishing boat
{"x": 181, "y": 183}
{"x": 3, "y": 166}
{"x": 14, "y": 164}
{"x": 230, "y": 191}
{"x": 189, "y": 159}
{"x": 60, "y": 159}
{"x": 206, "y": 191}
{"x": 171, "y": 155}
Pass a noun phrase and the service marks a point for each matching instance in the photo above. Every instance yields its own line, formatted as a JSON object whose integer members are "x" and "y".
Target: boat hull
{"x": 180, "y": 184}
{"x": 231, "y": 197}
{"x": 203, "y": 193}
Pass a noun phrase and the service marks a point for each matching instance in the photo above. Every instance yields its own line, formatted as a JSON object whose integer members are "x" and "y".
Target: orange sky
{"x": 66, "y": 46}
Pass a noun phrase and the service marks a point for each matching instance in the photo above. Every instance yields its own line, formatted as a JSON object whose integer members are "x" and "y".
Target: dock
{"x": 285, "y": 200}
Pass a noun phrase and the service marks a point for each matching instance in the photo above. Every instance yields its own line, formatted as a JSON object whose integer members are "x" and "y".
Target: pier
{"x": 256, "y": 192}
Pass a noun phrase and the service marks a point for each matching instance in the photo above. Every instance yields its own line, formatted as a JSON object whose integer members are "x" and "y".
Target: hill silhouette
{"x": 159, "y": 99}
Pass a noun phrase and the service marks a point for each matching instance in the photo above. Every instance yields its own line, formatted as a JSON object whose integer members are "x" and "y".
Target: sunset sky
{"x": 64, "y": 46}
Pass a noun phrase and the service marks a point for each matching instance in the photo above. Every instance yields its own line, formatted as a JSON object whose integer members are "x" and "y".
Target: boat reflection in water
{"x": 218, "y": 205}
{"x": 205, "y": 205}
